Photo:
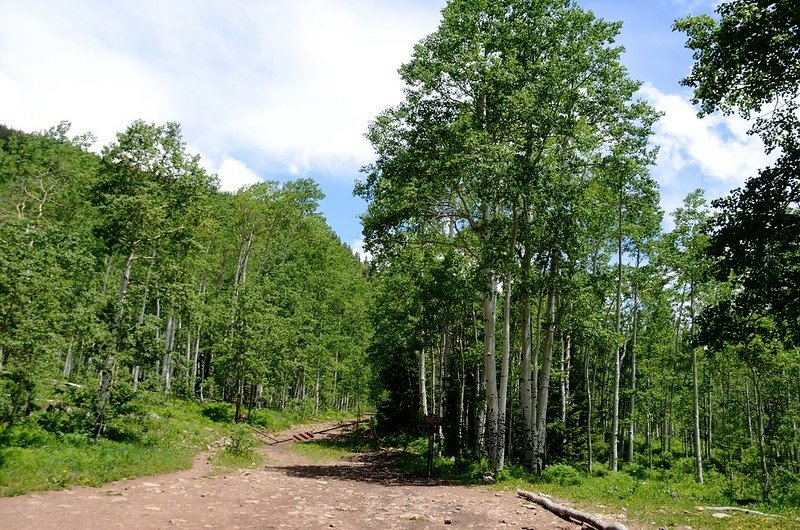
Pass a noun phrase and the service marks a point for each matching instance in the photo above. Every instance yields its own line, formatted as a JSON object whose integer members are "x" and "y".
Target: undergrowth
{"x": 145, "y": 435}
{"x": 337, "y": 447}
{"x": 655, "y": 498}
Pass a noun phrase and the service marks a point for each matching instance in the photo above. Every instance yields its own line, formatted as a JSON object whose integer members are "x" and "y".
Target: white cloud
{"x": 696, "y": 6}
{"x": 234, "y": 175}
{"x": 716, "y": 146}
{"x": 358, "y": 249}
{"x": 295, "y": 82}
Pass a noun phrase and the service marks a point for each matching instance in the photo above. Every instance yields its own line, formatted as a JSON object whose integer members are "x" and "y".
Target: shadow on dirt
{"x": 375, "y": 467}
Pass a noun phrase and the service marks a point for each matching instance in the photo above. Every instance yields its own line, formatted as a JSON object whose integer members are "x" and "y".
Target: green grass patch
{"x": 650, "y": 498}
{"x": 146, "y": 436}
{"x": 165, "y": 439}
{"x": 658, "y": 499}
{"x": 240, "y": 451}
{"x": 338, "y": 447}
{"x": 320, "y": 452}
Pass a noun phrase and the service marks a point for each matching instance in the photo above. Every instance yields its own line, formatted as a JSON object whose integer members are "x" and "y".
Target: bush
{"x": 26, "y": 434}
{"x": 635, "y": 470}
{"x": 72, "y": 412}
{"x": 684, "y": 466}
{"x": 242, "y": 440}
{"x": 563, "y": 475}
{"x": 218, "y": 412}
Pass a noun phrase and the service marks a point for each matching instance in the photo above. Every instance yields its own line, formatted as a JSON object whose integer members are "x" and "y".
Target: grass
{"x": 239, "y": 452}
{"x": 32, "y": 459}
{"x": 651, "y": 499}
{"x": 151, "y": 437}
{"x": 337, "y": 447}
{"x": 655, "y": 501}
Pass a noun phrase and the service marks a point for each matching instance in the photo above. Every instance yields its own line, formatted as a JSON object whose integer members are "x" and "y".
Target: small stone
{"x": 448, "y": 521}
{"x": 720, "y": 515}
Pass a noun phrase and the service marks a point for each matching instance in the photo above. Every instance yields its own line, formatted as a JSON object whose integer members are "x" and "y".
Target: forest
{"x": 128, "y": 269}
{"x": 522, "y": 285}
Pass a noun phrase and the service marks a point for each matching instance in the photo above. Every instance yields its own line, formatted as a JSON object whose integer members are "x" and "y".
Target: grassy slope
{"x": 166, "y": 438}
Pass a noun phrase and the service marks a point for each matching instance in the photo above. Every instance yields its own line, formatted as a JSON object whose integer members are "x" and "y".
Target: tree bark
{"x": 490, "y": 371}
{"x": 767, "y": 483}
{"x": 632, "y": 424}
{"x": 544, "y": 377}
{"x": 698, "y": 454}
{"x": 423, "y": 387}
{"x": 504, "y": 366}
{"x": 526, "y": 397}
{"x": 570, "y": 514}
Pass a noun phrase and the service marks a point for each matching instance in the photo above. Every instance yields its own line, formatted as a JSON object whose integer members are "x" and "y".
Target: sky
{"x": 282, "y": 89}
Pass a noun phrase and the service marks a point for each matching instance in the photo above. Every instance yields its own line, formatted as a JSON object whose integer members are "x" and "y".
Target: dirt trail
{"x": 289, "y": 491}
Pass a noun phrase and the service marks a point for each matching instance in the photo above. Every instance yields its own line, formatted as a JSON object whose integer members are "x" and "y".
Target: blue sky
{"x": 279, "y": 89}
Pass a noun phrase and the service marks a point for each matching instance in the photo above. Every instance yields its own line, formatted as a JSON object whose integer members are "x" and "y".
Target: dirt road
{"x": 289, "y": 491}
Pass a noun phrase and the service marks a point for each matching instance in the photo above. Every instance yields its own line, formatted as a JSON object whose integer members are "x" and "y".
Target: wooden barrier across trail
{"x": 305, "y": 436}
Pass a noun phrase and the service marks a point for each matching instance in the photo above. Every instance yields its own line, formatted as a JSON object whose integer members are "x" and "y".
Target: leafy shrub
{"x": 242, "y": 440}
{"x": 218, "y": 412}
{"x": 72, "y": 410}
{"x": 26, "y": 434}
{"x": 684, "y": 466}
{"x": 563, "y": 475}
{"x": 635, "y": 470}
{"x": 786, "y": 487}
{"x": 127, "y": 428}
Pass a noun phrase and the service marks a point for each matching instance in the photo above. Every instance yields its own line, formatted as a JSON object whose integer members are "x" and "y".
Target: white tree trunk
{"x": 540, "y": 434}
{"x": 504, "y": 367}
{"x": 526, "y": 394}
{"x": 423, "y": 387}
{"x": 490, "y": 372}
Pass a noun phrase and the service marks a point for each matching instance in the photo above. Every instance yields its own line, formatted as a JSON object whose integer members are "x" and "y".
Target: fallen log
{"x": 570, "y": 514}
{"x": 742, "y": 510}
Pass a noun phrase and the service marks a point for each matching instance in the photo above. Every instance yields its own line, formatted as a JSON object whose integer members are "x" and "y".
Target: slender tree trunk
{"x": 423, "y": 387}
{"x": 617, "y": 358}
{"x": 698, "y": 454}
{"x": 767, "y": 483}
{"x": 490, "y": 371}
{"x": 540, "y": 439}
{"x": 317, "y": 385}
{"x": 195, "y": 360}
{"x": 749, "y": 414}
{"x": 632, "y": 421}
{"x": 169, "y": 346}
{"x": 67, "y": 362}
{"x": 588, "y": 408}
{"x": 432, "y": 393}
{"x": 504, "y": 367}
{"x": 336, "y": 374}
{"x": 564, "y": 366}
{"x": 107, "y": 374}
{"x": 526, "y": 397}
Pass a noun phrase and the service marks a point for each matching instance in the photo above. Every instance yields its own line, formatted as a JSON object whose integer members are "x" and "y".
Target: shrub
{"x": 563, "y": 475}
{"x": 218, "y": 412}
{"x": 242, "y": 440}
{"x": 635, "y": 470}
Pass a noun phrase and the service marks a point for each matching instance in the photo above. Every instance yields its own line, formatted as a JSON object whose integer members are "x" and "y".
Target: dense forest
{"x": 522, "y": 287}
{"x": 130, "y": 265}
